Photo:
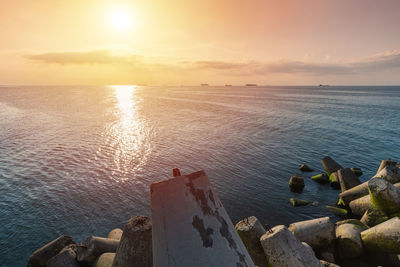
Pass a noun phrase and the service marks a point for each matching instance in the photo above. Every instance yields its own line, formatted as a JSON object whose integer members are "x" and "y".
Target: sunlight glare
{"x": 120, "y": 19}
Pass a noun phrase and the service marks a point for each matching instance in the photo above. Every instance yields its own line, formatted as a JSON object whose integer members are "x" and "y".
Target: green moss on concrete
{"x": 299, "y": 202}
{"x": 338, "y": 211}
{"x": 390, "y": 207}
{"x": 320, "y": 178}
{"x": 341, "y": 203}
{"x": 334, "y": 181}
{"x": 386, "y": 244}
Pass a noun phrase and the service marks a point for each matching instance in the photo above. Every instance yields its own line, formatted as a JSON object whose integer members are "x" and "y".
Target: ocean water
{"x": 80, "y": 160}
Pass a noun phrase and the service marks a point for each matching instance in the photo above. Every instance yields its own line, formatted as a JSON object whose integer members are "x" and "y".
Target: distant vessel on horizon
{"x": 228, "y": 84}
{"x": 323, "y": 85}
{"x": 251, "y": 84}
{"x": 204, "y": 84}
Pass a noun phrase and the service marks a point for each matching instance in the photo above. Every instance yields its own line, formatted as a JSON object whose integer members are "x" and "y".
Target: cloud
{"x": 380, "y": 62}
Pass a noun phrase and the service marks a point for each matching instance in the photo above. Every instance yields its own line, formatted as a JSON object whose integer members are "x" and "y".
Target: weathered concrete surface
{"x": 191, "y": 226}
{"x": 354, "y": 193}
{"x": 349, "y": 240}
{"x": 115, "y": 234}
{"x": 284, "y": 250}
{"x": 305, "y": 168}
{"x": 361, "y": 205}
{"x": 343, "y": 213}
{"x": 330, "y": 165}
{"x": 94, "y": 246}
{"x": 66, "y": 258}
{"x": 373, "y": 217}
{"x": 334, "y": 180}
{"x": 135, "y": 247}
{"x": 321, "y": 178}
{"x": 318, "y": 233}
{"x": 356, "y": 171}
{"x": 296, "y": 183}
{"x": 299, "y": 202}
{"x": 390, "y": 173}
{"x": 347, "y": 179}
{"x": 250, "y": 230}
{"x": 384, "y": 196}
{"x": 386, "y": 163}
{"x": 45, "y": 253}
{"x": 384, "y": 237}
{"x": 106, "y": 260}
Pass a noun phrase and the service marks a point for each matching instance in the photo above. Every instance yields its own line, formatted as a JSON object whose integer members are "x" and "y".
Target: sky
{"x": 187, "y": 42}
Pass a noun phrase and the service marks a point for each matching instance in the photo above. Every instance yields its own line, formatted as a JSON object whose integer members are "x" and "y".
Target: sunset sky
{"x": 191, "y": 41}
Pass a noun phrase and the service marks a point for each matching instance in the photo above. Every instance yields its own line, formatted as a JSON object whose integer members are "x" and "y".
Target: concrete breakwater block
{"x": 320, "y": 178}
{"x": 94, "y": 246}
{"x": 348, "y": 238}
{"x": 296, "y": 183}
{"x": 386, "y": 163}
{"x": 384, "y": 237}
{"x": 66, "y": 258}
{"x": 347, "y": 179}
{"x": 390, "y": 173}
{"x": 191, "y": 226}
{"x": 361, "y": 205}
{"x": 105, "y": 260}
{"x": 45, "y": 253}
{"x": 330, "y": 165}
{"x": 135, "y": 247}
{"x": 318, "y": 233}
{"x": 384, "y": 195}
{"x": 250, "y": 230}
{"x": 115, "y": 234}
{"x": 285, "y": 250}
{"x": 334, "y": 180}
{"x": 373, "y": 217}
{"x": 354, "y": 193}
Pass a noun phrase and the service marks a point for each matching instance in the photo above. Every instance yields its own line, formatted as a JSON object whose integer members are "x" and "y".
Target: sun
{"x": 120, "y": 19}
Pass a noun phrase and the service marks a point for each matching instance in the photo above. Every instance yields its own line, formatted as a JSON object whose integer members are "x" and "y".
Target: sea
{"x": 79, "y": 160}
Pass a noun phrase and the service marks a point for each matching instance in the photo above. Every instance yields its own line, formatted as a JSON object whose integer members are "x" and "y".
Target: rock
{"x": 115, "y": 234}
{"x": 283, "y": 249}
{"x": 250, "y": 231}
{"x": 318, "y": 233}
{"x": 384, "y": 237}
{"x": 66, "y": 258}
{"x": 386, "y": 163}
{"x": 384, "y": 196}
{"x": 330, "y": 165}
{"x": 373, "y": 217}
{"x": 136, "y": 244}
{"x": 338, "y": 211}
{"x": 347, "y": 179}
{"x": 348, "y": 239}
{"x": 296, "y": 183}
{"x": 354, "y": 193}
{"x": 334, "y": 180}
{"x": 328, "y": 264}
{"x": 321, "y": 178}
{"x": 299, "y": 202}
{"x": 48, "y": 251}
{"x": 357, "y": 171}
{"x": 105, "y": 260}
{"x": 94, "y": 246}
{"x": 390, "y": 173}
{"x": 361, "y": 205}
{"x": 305, "y": 168}
{"x": 191, "y": 226}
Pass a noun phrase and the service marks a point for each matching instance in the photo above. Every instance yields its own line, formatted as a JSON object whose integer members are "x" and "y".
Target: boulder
{"x": 299, "y": 202}
{"x": 373, "y": 217}
{"x": 384, "y": 196}
{"x": 330, "y": 165}
{"x": 361, "y": 205}
{"x": 318, "y": 233}
{"x": 48, "y": 251}
{"x": 321, "y": 178}
{"x": 347, "y": 179}
{"x": 250, "y": 231}
{"x": 66, "y": 258}
{"x": 296, "y": 183}
{"x": 384, "y": 237}
{"x": 354, "y": 193}
{"x": 349, "y": 240}
{"x": 343, "y": 213}
{"x": 115, "y": 234}
{"x": 135, "y": 247}
{"x": 334, "y": 180}
{"x": 356, "y": 171}
{"x": 105, "y": 260}
{"x": 283, "y": 249}
{"x": 94, "y": 246}
{"x": 305, "y": 168}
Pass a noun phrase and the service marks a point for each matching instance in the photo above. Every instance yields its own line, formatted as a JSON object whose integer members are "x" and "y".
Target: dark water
{"x": 79, "y": 160}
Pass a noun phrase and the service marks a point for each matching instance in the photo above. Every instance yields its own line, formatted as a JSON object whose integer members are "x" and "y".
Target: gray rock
{"x": 45, "y": 253}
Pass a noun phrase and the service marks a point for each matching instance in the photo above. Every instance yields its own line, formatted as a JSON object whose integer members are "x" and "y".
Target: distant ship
{"x": 204, "y": 84}
{"x": 228, "y": 84}
{"x": 251, "y": 84}
{"x": 323, "y": 85}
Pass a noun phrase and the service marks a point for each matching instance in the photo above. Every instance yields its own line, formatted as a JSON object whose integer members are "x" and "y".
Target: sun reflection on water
{"x": 127, "y": 134}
